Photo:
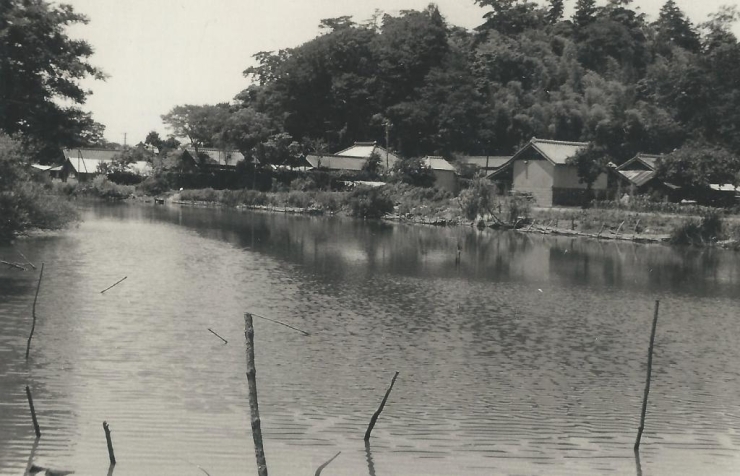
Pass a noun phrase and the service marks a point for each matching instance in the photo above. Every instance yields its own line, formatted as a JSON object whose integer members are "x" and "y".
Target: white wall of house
{"x": 535, "y": 177}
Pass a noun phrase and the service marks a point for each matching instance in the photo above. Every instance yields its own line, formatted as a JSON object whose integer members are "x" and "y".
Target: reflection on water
{"x": 527, "y": 357}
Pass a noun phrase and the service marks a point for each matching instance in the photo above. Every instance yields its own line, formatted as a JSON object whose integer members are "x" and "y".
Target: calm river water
{"x": 528, "y": 357}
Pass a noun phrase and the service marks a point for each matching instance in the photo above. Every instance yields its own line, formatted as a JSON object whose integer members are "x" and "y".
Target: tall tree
{"x": 41, "y": 68}
{"x": 201, "y": 125}
{"x": 555, "y": 12}
{"x": 585, "y": 13}
{"x": 673, "y": 27}
{"x": 512, "y": 17}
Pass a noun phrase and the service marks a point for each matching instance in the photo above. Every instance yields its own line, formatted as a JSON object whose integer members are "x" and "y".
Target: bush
{"x": 414, "y": 172}
{"x": 299, "y": 199}
{"x": 329, "y": 201}
{"x": 303, "y": 184}
{"x": 477, "y": 199}
{"x": 709, "y": 229}
{"x": 367, "y": 202}
{"x": 154, "y": 185}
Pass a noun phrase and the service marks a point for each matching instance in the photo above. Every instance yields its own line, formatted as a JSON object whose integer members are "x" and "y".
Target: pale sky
{"x": 163, "y": 53}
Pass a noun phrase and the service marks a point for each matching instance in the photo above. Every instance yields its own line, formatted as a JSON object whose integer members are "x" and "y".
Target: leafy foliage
{"x": 414, "y": 172}
{"x": 40, "y": 69}
{"x": 607, "y": 75}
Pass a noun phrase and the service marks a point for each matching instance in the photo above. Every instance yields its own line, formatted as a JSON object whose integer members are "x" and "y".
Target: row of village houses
{"x": 540, "y": 169}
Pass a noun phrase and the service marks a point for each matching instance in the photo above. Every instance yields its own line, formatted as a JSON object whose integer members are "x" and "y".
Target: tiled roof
{"x": 556, "y": 152}
{"x": 365, "y": 149}
{"x": 87, "y": 161}
{"x": 336, "y": 162}
{"x": 649, "y": 161}
{"x": 480, "y": 161}
{"x": 637, "y": 177}
{"x": 437, "y": 163}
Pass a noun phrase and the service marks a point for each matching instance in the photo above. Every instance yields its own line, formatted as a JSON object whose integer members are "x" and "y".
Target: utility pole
{"x": 125, "y": 136}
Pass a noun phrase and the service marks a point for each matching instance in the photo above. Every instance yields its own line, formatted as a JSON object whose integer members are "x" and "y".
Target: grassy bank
{"x": 477, "y": 205}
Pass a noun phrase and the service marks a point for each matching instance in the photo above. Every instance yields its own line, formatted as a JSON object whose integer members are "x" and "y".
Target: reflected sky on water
{"x": 526, "y": 357}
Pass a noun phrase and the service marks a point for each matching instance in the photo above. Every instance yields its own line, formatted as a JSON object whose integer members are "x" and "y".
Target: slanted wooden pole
{"x": 33, "y": 412}
{"x": 33, "y": 311}
{"x": 108, "y": 440}
{"x": 620, "y": 228}
{"x": 647, "y": 379}
{"x": 321, "y": 468}
{"x": 259, "y": 450}
{"x": 634, "y": 233}
{"x": 380, "y": 409}
{"x": 114, "y": 284}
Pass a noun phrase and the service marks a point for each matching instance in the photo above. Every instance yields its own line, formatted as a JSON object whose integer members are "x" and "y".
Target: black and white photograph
{"x": 370, "y": 238}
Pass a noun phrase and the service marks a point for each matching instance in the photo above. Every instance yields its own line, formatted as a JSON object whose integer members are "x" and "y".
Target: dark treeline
{"x": 608, "y": 75}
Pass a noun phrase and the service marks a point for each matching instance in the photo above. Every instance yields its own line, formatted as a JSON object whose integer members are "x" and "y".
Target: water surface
{"x": 527, "y": 357}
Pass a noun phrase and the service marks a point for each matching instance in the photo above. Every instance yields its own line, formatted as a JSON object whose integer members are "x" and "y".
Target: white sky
{"x": 163, "y": 53}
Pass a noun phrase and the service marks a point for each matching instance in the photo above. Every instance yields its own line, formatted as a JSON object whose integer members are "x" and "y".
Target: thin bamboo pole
{"x": 115, "y": 284}
{"x": 13, "y": 265}
{"x": 647, "y": 379}
{"x": 108, "y": 440}
{"x": 33, "y": 311}
{"x": 211, "y": 331}
{"x": 259, "y": 450}
{"x": 380, "y": 409}
{"x": 33, "y": 412}
{"x": 321, "y": 468}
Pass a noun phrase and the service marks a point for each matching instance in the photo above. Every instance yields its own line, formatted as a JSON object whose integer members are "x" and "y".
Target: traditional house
{"x": 444, "y": 173}
{"x": 84, "y": 164}
{"x": 485, "y": 163}
{"x": 353, "y": 158}
{"x": 212, "y": 159}
{"x": 52, "y": 171}
{"x": 638, "y": 176}
{"x": 540, "y": 169}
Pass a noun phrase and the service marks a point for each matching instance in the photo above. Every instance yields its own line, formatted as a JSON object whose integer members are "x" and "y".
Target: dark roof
{"x": 649, "y": 161}
{"x": 637, "y": 177}
{"x": 480, "y": 161}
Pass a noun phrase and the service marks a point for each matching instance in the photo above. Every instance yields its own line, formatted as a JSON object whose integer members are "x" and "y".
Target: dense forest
{"x": 608, "y": 75}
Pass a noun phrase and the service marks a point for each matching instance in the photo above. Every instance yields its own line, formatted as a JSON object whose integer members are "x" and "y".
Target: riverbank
{"x": 638, "y": 221}
{"x": 697, "y": 226}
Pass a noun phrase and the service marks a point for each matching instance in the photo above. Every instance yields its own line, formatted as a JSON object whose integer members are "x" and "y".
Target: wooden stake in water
{"x": 647, "y": 380}
{"x": 33, "y": 312}
{"x": 259, "y": 450}
{"x": 114, "y": 284}
{"x": 110, "y": 444}
{"x": 380, "y": 409}
{"x": 321, "y": 468}
{"x": 33, "y": 413}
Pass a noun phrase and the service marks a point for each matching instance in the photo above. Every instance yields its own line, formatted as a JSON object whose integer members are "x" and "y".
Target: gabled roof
{"x": 557, "y": 152}
{"x": 87, "y": 161}
{"x": 480, "y": 161}
{"x": 437, "y": 163}
{"x": 649, "y": 161}
{"x": 637, "y": 177}
{"x": 335, "y": 162}
{"x": 365, "y": 149}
